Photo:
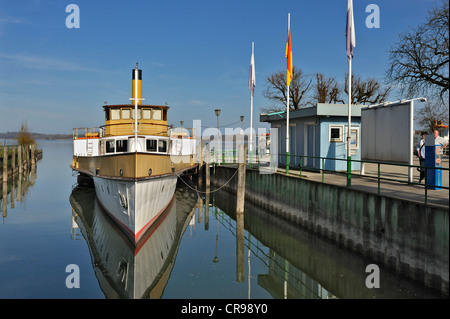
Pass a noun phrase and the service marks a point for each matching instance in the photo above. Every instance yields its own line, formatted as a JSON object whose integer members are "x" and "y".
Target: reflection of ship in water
{"x": 125, "y": 270}
{"x": 16, "y": 188}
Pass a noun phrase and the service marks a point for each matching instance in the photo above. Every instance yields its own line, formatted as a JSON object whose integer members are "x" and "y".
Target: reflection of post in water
{"x": 5, "y": 198}
{"x": 24, "y": 182}
{"x": 75, "y": 232}
{"x": 240, "y": 265}
{"x": 207, "y": 196}
{"x": 13, "y": 186}
{"x": 200, "y": 210}
{"x": 216, "y": 258}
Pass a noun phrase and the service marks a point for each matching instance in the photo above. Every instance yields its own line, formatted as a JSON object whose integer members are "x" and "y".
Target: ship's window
{"x": 126, "y": 114}
{"x": 162, "y": 146}
{"x": 147, "y": 114}
{"x": 138, "y": 113}
{"x": 110, "y": 146}
{"x": 151, "y": 145}
{"x": 115, "y": 114}
{"x": 107, "y": 115}
{"x": 121, "y": 145}
{"x": 165, "y": 115}
{"x": 157, "y": 114}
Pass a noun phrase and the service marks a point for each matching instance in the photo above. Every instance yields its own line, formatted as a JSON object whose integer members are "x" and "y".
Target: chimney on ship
{"x": 139, "y": 85}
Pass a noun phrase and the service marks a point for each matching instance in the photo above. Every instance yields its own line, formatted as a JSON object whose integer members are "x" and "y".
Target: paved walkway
{"x": 412, "y": 192}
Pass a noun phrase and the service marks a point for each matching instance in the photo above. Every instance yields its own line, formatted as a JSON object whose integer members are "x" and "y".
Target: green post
{"x": 378, "y": 178}
{"x": 323, "y": 177}
{"x": 301, "y": 158}
{"x": 426, "y": 190}
{"x": 349, "y": 171}
{"x": 287, "y": 163}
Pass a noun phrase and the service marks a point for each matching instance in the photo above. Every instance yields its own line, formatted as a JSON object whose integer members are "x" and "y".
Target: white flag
{"x": 251, "y": 76}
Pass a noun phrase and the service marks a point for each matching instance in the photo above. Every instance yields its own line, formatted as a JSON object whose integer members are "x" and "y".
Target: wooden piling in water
{"x": 207, "y": 177}
{"x": 240, "y": 200}
{"x": 19, "y": 159}
{"x": 33, "y": 154}
{"x": 13, "y": 159}
{"x": 5, "y": 164}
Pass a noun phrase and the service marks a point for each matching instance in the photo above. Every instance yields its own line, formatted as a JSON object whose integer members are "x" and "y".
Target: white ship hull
{"x": 135, "y": 205}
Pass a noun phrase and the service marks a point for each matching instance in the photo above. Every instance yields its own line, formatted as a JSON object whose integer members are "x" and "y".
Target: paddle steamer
{"x": 134, "y": 160}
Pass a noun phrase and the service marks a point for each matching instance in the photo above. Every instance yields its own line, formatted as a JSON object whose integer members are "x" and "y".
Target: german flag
{"x": 289, "y": 58}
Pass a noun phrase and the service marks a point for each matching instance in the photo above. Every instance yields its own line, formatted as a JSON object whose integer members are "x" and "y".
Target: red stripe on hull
{"x": 130, "y": 234}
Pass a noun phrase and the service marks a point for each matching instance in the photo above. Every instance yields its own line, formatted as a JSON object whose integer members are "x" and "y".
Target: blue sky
{"x": 195, "y": 55}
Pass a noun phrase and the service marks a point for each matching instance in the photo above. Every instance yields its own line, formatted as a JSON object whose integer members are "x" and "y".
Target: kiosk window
{"x": 336, "y": 133}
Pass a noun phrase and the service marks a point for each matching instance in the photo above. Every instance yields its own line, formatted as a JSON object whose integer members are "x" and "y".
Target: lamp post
{"x": 217, "y": 111}
{"x": 242, "y": 121}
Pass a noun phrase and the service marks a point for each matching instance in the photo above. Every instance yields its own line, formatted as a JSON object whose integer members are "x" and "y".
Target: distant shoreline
{"x": 36, "y": 136}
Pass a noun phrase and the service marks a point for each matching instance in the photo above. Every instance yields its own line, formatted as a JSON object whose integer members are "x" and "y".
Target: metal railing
{"x": 379, "y": 178}
{"x": 230, "y": 157}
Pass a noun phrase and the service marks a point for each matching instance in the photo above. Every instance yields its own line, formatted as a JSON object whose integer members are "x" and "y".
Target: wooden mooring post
{"x": 19, "y": 159}
{"x": 5, "y": 164}
{"x": 240, "y": 200}
{"x": 27, "y": 155}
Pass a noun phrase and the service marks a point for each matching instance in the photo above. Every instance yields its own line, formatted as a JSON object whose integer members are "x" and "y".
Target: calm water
{"x": 197, "y": 251}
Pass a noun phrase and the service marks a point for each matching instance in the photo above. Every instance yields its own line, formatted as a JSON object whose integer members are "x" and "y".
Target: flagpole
{"x": 349, "y": 105}
{"x": 287, "y": 111}
{"x": 251, "y": 115}
{"x": 351, "y": 43}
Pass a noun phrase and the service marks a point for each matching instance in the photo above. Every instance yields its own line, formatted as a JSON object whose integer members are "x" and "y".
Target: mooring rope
{"x": 213, "y": 191}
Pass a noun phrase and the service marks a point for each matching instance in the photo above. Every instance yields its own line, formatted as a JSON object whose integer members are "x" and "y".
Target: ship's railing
{"x": 128, "y": 129}
{"x": 183, "y": 133}
{"x": 86, "y": 133}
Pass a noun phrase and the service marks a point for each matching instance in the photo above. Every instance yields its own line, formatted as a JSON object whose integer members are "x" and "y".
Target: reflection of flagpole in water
{"x": 216, "y": 259}
{"x": 286, "y": 272}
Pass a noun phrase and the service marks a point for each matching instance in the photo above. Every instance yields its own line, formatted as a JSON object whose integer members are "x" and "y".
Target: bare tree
{"x": 327, "y": 90}
{"x": 419, "y": 61}
{"x": 276, "y": 90}
{"x": 24, "y": 136}
{"x": 369, "y": 91}
{"x": 435, "y": 111}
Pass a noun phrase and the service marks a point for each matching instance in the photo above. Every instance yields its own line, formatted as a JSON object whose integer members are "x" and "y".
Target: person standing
{"x": 421, "y": 153}
{"x": 439, "y": 141}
